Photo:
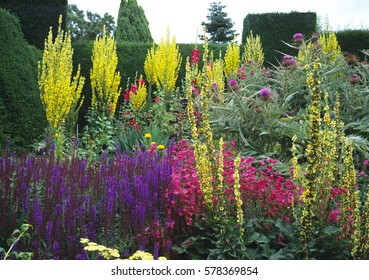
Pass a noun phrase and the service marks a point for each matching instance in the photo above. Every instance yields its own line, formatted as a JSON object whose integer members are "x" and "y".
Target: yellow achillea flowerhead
{"x": 145, "y": 256}
{"x": 106, "y": 253}
{"x": 105, "y": 80}
{"x": 162, "y": 64}
{"x": 147, "y": 136}
{"x": 161, "y": 147}
{"x": 232, "y": 60}
{"x": 59, "y": 92}
{"x": 253, "y": 50}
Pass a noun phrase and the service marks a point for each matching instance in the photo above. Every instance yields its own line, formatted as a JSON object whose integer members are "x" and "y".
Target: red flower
{"x": 127, "y": 95}
{"x": 195, "y": 56}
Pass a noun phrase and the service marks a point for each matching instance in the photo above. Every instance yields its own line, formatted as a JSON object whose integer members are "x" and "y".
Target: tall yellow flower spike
{"x": 59, "y": 92}
{"x": 105, "y": 80}
{"x": 232, "y": 60}
{"x": 162, "y": 64}
{"x": 253, "y": 50}
{"x": 139, "y": 99}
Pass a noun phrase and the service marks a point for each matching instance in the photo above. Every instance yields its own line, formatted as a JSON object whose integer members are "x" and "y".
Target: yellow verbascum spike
{"x": 105, "y": 79}
{"x": 59, "y": 91}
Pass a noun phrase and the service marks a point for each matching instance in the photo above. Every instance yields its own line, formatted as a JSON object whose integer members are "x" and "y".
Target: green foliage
{"x": 22, "y": 118}
{"x": 274, "y": 28}
{"x": 219, "y": 26}
{"x": 82, "y": 29}
{"x": 353, "y": 41}
{"x": 18, "y": 235}
{"x": 99, "y": 136}
{"x": 36, "y": 17}
{"x": 132, "y": 25}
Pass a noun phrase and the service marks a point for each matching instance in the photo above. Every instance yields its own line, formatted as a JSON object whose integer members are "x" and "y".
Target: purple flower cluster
{"x": 288, "y": 62}
{"x": 298, "y": 37}
{"x": 111, "y": 201}
{"x": 265, "y": 94}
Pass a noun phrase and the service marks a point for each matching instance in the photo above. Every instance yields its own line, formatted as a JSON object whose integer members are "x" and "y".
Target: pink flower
{"x": 298, "y": 37}
{"x": 333, "y": 215}
{"x": 366, "y": 162}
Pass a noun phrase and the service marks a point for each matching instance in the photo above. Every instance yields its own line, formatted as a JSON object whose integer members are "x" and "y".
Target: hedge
{"x": 353, "y": 41}
{"x": 22, "y": 116}
{"x": 274, "y": 28}
{"x": 36, "y": 17}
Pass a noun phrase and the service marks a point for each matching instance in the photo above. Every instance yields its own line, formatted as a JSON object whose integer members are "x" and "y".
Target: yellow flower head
{"x": 161, "y": 147}
{"x": 147, "y": 136}
{"x": 84, "y": 240}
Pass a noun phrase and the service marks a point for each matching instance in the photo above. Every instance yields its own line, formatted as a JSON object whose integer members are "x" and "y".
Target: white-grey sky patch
{"x": 184, "y": 17}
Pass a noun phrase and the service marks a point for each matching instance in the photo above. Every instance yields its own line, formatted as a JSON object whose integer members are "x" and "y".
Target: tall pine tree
{"x": 219, "y": 26}
{"x": 132, "y": 25}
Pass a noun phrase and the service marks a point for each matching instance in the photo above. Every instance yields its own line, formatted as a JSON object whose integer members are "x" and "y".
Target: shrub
{"x": 36, "y": 16}
{"x": 22, "y": 118}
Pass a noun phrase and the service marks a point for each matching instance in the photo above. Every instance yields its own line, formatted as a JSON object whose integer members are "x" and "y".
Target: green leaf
{"x": 258, "y": 238}
{"x": 329, "y": 230}
{"x": 277, "y": 256}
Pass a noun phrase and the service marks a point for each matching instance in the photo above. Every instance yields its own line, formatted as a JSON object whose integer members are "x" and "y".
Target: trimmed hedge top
{"x": 274, "y": 28}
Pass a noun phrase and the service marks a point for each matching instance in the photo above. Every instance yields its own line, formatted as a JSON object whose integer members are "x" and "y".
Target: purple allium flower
{"x": 265, "y": 94}
{"x": 298, "y": 37}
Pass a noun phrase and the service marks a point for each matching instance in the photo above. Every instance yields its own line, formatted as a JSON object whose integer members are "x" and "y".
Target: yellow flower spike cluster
{"x": 162, "y": 64}
{"x": 149, "y": 66}
{"x": 219, "y": 187}
{"x": 59, "y": 92}
{"x": 329, "y": 45}
{"x": 330, "y": 165}
{"x": 138, "y": 99}
{"x": 201, "y": 150}
{"x": 361, "y": 233}
{"x": 218, "y": 77}
{"x": 232, "y": 60}
{"x": 105, "y": 80}
{"x": 237, "y": 193}
{"x": 253, "y": 50}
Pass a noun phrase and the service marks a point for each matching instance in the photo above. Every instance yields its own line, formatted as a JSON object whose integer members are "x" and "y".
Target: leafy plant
{"x": 16, "y": 236}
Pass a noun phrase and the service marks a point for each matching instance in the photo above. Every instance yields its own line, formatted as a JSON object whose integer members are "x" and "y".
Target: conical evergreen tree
{"x": 132, "y": 25}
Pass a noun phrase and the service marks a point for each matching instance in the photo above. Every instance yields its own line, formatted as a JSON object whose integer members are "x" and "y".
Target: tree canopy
{"x": 87, "y": 29}
{"x": 219, "y": 26}
{"x": 132, "y": 24}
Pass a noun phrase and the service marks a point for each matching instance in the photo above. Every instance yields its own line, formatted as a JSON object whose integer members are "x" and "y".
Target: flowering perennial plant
{"x": 329, "y": 191}
{"x": 162, "y": 64}
{"x": 232, "y": 61}
{"x": 60, "y": 93}
{"x": 253, "y": 50}
{"x": 118, "y": 202}
{"x": 105, "y": 80}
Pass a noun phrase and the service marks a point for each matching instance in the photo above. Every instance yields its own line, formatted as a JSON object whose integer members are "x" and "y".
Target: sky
{"x": 184, "y": 18}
